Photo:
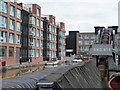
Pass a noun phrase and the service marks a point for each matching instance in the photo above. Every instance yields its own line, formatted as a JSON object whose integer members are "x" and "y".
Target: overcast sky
{"x": 81, "y": 15}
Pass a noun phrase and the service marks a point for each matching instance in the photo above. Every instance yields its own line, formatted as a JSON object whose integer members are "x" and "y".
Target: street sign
{"x": 101, "y": 49}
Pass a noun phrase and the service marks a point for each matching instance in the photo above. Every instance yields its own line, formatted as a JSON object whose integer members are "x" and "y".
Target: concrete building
{"x": 49, "y": 35}
{"x": 85, "y": 40}
{"x": 72, "y": 43}
{"x": 60, "y": 40}
{"x": 10, "y": 31}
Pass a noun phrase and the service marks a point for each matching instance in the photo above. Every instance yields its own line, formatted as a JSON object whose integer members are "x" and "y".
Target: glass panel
{"x": 12, "y": 10}
{"x": 3, "y": 36}
{"x": 17, "y": 39}
{"x": 32, "y": 31}
{"x": 4, "y": 22}
{"x": 11, "y": 24}
{"x": 11, "y": 38}
{"x": 38, "y": 12}
{"x": 41, "y": 24}
{"x": 3, "y": 51}
{"x": 37, "y": 53}
{"x": 18, "y": 26}
{"x": 3, "y": 7}
{"x": 19, "y": 13}
{"x": 11, "y": 51}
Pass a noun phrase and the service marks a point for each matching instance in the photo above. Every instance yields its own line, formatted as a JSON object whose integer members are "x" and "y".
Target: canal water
{"x": 7, "y": 74}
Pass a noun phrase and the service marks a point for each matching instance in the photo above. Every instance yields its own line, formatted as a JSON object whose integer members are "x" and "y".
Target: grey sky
{"x": 81, "y": 15}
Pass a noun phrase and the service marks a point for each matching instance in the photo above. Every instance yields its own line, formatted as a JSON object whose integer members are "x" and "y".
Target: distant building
{"x": 60, "y": 40}
{"x": 49, "y": 35}
{"x": 85, "y": 40}
{"x": 72, "y": 43}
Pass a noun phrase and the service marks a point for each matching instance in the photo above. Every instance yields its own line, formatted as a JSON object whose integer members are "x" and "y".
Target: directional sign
{"x": 101, "y": 49}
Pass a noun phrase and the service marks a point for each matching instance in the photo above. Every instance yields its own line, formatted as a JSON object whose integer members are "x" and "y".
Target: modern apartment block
{"x": 49, "y": 36}
{"x": 85, "y": 40}
{"x": 26, "y": 36}
{"x": 10, "y": 31}
{"x": 35, "y": 33}
{"x": 60, "y": 40}
{"x": 72, "y": 43}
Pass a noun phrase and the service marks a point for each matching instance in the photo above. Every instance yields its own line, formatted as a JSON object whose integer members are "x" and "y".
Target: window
{"x": 37, "y": 43}
{"x": 11, "y": 24}
{"x": 12, "y": 10}
{"x": 31, "y": 53}
{"x": 38, "y": 12}
{"x": 92, "y": 42}
{"x": 18, "y": 26}
{"x": 41, "y": 43}
{"x": 17, "y": 39}
{"x": 32, "y": 42}
{"x": 3, "y": 24}
{"x": 86, "y": 36}
{"x": 3, "y": 37}
{"x": 41, "y": 24}
{"x": 41, "y": 33}
{"x": 41, "y": 52}
{"x": 93, "y": 36}
{"x": 38, "y": 24}
{"x": 86, "y": 48}
{"x": 3, "y": 51}
{"x": 11, "y": 51}
{"x": 37, "y": 32}
{"x": 86, "y": 42}
{"x": 3, "y": 7}
{"x": 11, "y": 38}
{"x": 19, "y": 13}
{"x": 32, "y": 31}
{"x": 80, "y": 42}
{"x": 37, "y": 53}
{"x": 32, "y": 20}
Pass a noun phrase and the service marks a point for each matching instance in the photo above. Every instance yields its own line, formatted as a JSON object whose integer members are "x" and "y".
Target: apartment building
{"x": 26, "y": 36}
{"x": 49, "y": 36}
{"x": 60, "y": 40}
{"x": 33, "y": 48}
{"x": 10, "y": 31}
{"x": 85, "y": 40}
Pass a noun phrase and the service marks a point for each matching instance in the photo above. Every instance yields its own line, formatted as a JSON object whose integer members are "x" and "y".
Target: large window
{"x": 41, "y": 33}
{"x": 38, "y": 24}
{"x": 37, "y": 53}
{"x": 31, "y": 53}
{"x": 37, "y": 32}
{"x": 11, "y": 38}
{"x": 18, "y": 26}
{"x": 86, "y": 36}
{"x": 41, "y": 52}
{"x": 32, "y": 31}
{"x": 19, "y": 13}
{"x": 38, "y": 12}
{"x": 41, "y": 43}
{"x": 17, "y": 39}
{"x": 86, "y": 42}
{"x": 3, "y": 36}
{"x": 32, "y": 42}
{"x": 11, "y": 51}
{"x": 3, "y": 51}
{"x": 12, "y": 11}
{"x": 41, "y": 24}
{"x": 3, "y": 22}
{"x": 37, "y": 42}
{"x": 3, "y": 6}
{"x": 12, "y": 24}
{"x": 32, "y": 20}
